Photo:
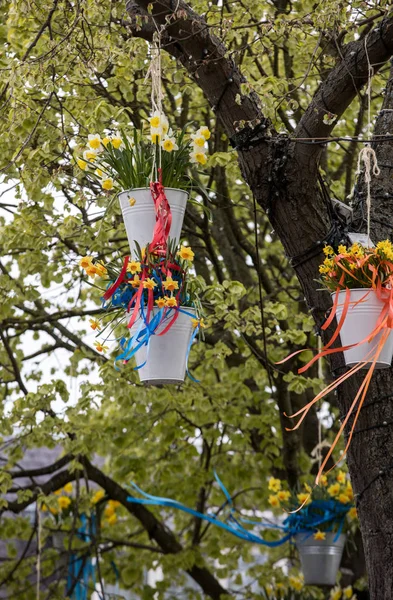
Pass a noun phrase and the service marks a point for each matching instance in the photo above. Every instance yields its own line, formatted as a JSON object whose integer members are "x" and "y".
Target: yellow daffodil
{"x": 319, "y": 535}
{"x": 91, "y": 271}
{"x": 149, "y": 284}
{"x": 99, "y": 172}
{"x": 106, "y": 140}
{"x": 283, "y": 495}
{"x": 170, "y": 285}
{"x": 334, "y": 489}
{"x": 107, "y": 184}
{"x": 68, "y": 488}
{"x": 342, "y": 249}
{"x": 186, "y": 253}
{"x": 116, "y": 141}
{"x": 89, "y": 155}
{"x": 85, "y": 262}
{"x": 169, "y": 144}
{"x": 352, "y": 513}
{"x": 198, "y": 322}
{"x": 109, "y": 510}
{"x": 131, "y": 201}
{"x": 324, "y": 480}
{"x": 134, "y": 267}
{"x": 336, "y": 593}
{"x": 101, "y": 269}
{"x": 82, "y": 164}
{"x": 204, "y": 131}
{"x": 160, "y": 302}
{"x": 114, "y": 503}
{"x": 94, "y": 324}
{"x": 328, "y": 250}
{"x": 155, "y": 120}
{"x": 343, "y": 498}
{"x": 349, "y": 490}
{"x": 112, "y": 520}
{"x": 100, "y": 347}
{"x": 170, "y": 302}
{"x": 99, "y": 494}
{"x": 295, "y": 583}
{"x": 53, "y": 511}
{"x": 94, "y": 141}
{"x": 64, "y": 502}
{"x": 58, "y": 492}
{"x": 155, "y": 135}
{"x": 274, "y": 484}
{"x": 274, "y": 501}
{"x": 348, "y": 592}
{"x": 198, "y": 157}
{"x": 341, "y": 477}
{"x": 303, "y": 497}
{"x": 198, "y": 141}
{"x": 136, "y": 282}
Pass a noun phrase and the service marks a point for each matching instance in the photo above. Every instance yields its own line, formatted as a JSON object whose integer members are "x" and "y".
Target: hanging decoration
{"x": 156, "y": 295}
{"x": 157, "y": 298}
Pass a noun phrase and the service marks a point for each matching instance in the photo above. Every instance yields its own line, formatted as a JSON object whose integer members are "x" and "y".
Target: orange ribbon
{"x": 384, "y": 325}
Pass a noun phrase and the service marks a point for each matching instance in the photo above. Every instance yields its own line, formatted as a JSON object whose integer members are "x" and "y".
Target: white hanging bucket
{"x": 166, "y": 355}
{"x": 320, "y": 559}
{"x": 360, "y": 321}
{"x": 140, "y": 219}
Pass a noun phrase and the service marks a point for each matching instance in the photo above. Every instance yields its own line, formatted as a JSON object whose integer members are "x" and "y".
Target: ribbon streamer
{"x": 318, "y": 513}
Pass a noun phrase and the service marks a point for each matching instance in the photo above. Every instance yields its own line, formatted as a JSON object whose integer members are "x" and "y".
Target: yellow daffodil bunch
{"x": 128, "y": 160}
{"x": 339, "y": 593}
{"x": 287, "y": 587}
{"x": 357, "y": 266}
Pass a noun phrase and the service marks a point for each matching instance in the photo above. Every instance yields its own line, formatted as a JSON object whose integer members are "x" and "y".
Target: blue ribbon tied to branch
{"x": 317, "y": 514}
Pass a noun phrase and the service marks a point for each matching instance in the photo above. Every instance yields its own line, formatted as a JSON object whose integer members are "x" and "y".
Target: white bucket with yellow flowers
{"x": 139, "y": 214}
{"x": 164, "y": 358}
{"x": 139, "y": 162}
{"x": 361, "y": 282}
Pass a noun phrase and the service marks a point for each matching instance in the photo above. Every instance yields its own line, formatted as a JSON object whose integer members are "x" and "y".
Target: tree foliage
{"x": 73, "y": 68}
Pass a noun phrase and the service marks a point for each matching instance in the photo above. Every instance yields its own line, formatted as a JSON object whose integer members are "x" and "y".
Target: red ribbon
{"x": 111, "y": 290}
{"x": 163, "y": 217}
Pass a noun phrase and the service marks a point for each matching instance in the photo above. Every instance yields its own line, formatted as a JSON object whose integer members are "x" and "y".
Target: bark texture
{"x": 283, "y": 176}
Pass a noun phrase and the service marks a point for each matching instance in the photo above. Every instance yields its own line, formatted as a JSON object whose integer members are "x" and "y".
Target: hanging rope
{"x": 154, "y": 73}
{"x": 38, "y": 551}
{"x": 367, "y": 155}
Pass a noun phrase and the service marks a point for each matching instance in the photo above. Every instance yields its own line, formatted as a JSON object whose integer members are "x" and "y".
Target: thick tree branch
{"x": 344, "y": 82}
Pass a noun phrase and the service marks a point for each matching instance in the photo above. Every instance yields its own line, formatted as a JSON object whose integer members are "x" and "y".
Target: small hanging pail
{"x": 140, "y": 219}
{"x": 360, "y": 321}
{"x": 166, "y": 355}
{"x": 320, "y": 559}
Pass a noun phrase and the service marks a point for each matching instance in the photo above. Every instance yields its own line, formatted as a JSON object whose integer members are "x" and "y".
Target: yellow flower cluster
{"x": 92, "y": 269}
{"x": 110, "y": 512}
{"x": 162, "y": 135}
{"x": 357, "y": 266}
{"x": 278, "y": 589}
{"x": 281, "y": 495}
{"x": 385, "y": 248}
{"x": 63, "y": 502}
{"x": 339, "y": 593}
{"x": 341, "y": 489}
{"x": 95, "y": 146}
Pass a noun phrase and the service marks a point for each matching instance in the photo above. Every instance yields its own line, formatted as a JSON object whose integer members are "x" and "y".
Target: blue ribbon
{"x": 307, "y": 521}
{"x": 81, "y": 569}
